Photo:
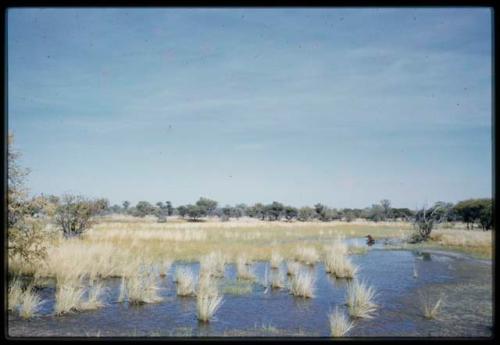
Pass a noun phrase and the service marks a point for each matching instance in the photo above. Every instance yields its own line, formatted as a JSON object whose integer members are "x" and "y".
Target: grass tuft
{"x": 340, "y": 325}
{"x": 243, "y": 268}
{"x": 307, "y": 255}
{"x": 302, "y": 284}
{"x": 340, "y": 265}
{"x": 186, "y": 281}
{"x": 276, "y": 260}
{"x": 360, "y": 300}
{"x": 430, "y": 308}
{"x": 30, "y": 302}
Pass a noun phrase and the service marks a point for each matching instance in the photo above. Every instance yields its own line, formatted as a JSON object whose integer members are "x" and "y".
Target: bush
{"x": 76, "y": 214}
{"x": 25, "y": 235}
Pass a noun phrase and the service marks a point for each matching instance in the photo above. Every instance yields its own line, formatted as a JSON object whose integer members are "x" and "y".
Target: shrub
{"x": 25, "y": 236}
{"x": 76, "y": 214}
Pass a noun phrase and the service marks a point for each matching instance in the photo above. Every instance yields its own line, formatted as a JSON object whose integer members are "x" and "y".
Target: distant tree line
{"x": 473, "y": 212}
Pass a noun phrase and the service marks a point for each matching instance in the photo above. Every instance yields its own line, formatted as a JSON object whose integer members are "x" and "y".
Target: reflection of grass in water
{"x": 237, "y": 288}
{"x": 266, "y": 331}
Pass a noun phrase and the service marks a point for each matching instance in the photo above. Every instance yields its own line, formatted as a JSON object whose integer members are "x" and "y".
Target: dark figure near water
{"x": 369, "y": 240}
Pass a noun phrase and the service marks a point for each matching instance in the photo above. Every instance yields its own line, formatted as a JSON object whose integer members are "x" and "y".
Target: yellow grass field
{"x": 118, "y": 244}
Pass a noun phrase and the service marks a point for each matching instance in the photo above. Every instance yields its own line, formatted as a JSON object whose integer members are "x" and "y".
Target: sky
{"x": 343, "y": 106}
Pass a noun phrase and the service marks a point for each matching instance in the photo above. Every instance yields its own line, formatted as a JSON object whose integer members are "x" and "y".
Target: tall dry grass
{"x": 339, "y": 265}
{"x": 293, "y": 268}
{"x": 244, "y": 269}
{"x": 186, "y": 281}
{"x": 15, "y": 292}
{"x": 307, "y": 255}
{"x": 29, "y": 303}
{"x": 340, "y": 325}
{"x": 302, "y": 284}
{"x": 276, "y": 260}
{"x": 141, "y": 287}
{"x": 360, "y": 300}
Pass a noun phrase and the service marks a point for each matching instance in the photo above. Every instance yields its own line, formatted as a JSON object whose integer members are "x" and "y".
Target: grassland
{"x": 116, "y": 246}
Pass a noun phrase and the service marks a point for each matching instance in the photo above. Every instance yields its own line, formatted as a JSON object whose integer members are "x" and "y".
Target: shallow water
{"x": 467, "y": 312}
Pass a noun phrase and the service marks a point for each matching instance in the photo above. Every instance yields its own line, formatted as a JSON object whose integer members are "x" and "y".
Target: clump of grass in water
{"x": 165, "y": 267}
{"x": 292, "y": 268}
{"x": 244, "y": 269}
{"x": 29, "y": 303}
{"x": 430, "y": 308}
{"x": 14, "y": 294}
{"x": 340, "y": 325}
{"x": 95, "y": 291}
{"x": 140, "y": 288}
{"x": 302, "y": 284}
{"x": 208, "y": 299}
{"x": 68, "y": 298}
{"x": 360, "y": 300}
{"x": 277, "y": 280}
{"x": 307, "y": 255}
{"x": 338, "y": 247}
{"x": 276, "y": 260}
{"x": 186, "y": 281}
{"x": 339, "y": 265}
{"x": 213, "y": 264}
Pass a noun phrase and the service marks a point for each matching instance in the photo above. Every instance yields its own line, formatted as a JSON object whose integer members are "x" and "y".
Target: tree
{"x": 319, "y": 209}
{"x": 144, "y": 208}
{"x": 226, "y": 212}
{"x": 274, "y": 211}
{"x": 444, "y": 211}
{"x": 195, "y": 212}
{"x": 257, "y": 211}
{"x": 470, "y": 211}
{"x": 25, "y": 236}
{"x": 305, "y": 213}
{"x": 376, "y": 213}
{"x": 404, "y": 214}
{"x": 486, "y": 217}
{"x": 161, "y": 212}
{"x": 208, "y": 205}
{"x": 386, "y": 207}
{"x": 170, "y": 209}
{"x": 76, "y": 214}
{"x": 182, "y": 210}
{"x": 424, "y": 223}
{"x": 126, "y": 205}
{"x": 348, "y": 215}
{"x": 290, "y": 213}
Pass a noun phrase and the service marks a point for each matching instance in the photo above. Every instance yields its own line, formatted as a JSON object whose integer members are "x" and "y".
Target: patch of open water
{"x": 390, "y": 272}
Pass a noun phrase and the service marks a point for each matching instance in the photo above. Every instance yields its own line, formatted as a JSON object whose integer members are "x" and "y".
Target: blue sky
{"x": 340, "y": 106}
